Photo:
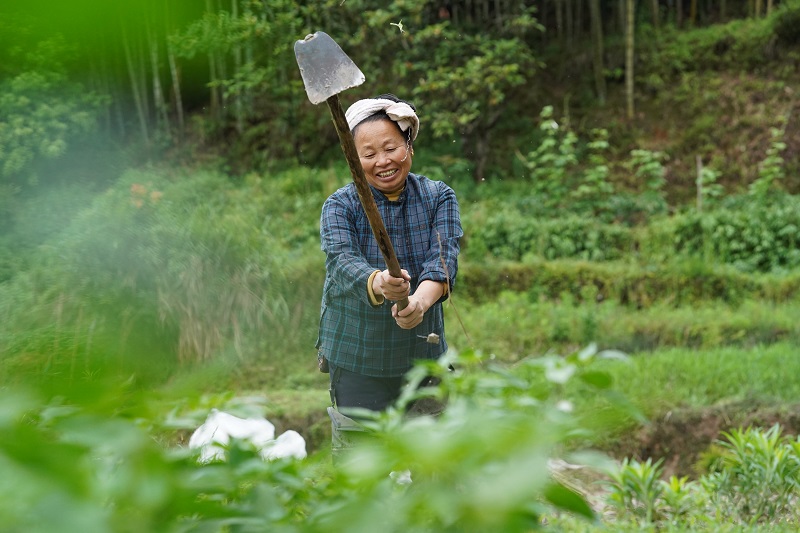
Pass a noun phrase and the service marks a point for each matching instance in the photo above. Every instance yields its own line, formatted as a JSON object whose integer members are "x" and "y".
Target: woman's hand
{"x": 427, "y": 294}
{"x": 413, "y": 314}
{"x": 391, "y": 288}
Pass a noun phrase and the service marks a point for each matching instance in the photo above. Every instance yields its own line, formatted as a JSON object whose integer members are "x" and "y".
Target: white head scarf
{"x": 400, "y": 112}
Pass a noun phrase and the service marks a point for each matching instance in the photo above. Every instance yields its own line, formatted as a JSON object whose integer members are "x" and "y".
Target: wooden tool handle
{"x": 364, "y": 192}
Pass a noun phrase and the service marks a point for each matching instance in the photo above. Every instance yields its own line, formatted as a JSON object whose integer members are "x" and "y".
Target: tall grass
{"x": 166, "y": 268}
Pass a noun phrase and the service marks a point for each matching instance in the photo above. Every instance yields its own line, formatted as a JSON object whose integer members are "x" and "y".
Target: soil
{"x": 681, "y": 437}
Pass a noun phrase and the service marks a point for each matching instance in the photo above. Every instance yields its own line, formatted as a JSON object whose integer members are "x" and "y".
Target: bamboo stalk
{"x": 629, "y": 43}
{"x": 135, "y": 87}
{"x": 237, "y": 65}
{"x": 699, "y": 182}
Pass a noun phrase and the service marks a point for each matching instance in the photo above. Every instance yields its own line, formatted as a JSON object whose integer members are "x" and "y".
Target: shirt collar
{"x": 396, "y": 196}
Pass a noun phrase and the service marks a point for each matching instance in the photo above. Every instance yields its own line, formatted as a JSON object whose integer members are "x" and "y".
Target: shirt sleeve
{"x": 441, "y": 259}
{"x": 344, "y": 262}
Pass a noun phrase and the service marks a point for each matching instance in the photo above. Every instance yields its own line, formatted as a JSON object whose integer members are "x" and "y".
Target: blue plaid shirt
{"x": 425, "y": 229}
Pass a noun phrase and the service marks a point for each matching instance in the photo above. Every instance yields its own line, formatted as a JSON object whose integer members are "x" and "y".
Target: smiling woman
{"x": 371, "y": 345}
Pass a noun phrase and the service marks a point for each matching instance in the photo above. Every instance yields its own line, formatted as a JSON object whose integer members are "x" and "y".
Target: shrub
{"x": 753, "y": 236}
{"x": 679, "y": 283}
{"x": 512, "y": 235}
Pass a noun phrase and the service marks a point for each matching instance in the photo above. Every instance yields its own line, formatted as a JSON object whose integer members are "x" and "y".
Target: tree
{"x": 466, "y": 87}
{"x": 252, "y": 66}
{"x": 654, "y": 12}
{"x": 629, "y": 43}
{"x": 469, "y": 80}
{"x": 597, "y": 51}
{"x": 42, "y": 110}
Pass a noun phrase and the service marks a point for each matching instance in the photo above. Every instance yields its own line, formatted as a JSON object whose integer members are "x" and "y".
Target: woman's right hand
{"x": 390, "y": 287}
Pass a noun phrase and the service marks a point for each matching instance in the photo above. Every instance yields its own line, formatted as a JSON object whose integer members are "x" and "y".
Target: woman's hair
{"x": 381, "y": 115}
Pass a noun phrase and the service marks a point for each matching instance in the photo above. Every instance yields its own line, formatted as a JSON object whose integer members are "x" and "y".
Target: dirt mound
{"x": 681, "y": 436}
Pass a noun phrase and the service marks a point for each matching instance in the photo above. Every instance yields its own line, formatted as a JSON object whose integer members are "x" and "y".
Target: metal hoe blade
{"x": 325, "y": 68}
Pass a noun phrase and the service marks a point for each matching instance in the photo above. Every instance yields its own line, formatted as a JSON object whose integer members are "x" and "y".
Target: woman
{"x": 369, "y": 343}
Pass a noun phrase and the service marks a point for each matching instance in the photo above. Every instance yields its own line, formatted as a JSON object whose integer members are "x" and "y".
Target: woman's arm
{"x": 344, "y": 262}
{"x": 441, "y": 260}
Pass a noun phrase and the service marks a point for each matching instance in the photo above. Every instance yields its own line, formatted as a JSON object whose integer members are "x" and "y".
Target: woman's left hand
{"x": 412, "y": 315}
{"x": 427, "y": 294}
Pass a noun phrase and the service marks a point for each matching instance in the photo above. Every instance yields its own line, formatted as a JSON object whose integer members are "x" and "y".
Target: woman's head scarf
{"x": 400, "y": 112}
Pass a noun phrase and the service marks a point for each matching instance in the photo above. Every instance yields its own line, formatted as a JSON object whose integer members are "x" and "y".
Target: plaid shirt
{"x": 354, "y": 334}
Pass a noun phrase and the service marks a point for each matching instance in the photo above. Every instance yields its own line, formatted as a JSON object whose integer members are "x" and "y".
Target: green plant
{"x": 681, "y": 501}
{"x": 707, "y": 187}
{"x": 754, "y": 482}
{"x": 482, "y": 465}
{"x": 512, "y": 234}
{"x": 771, "y": 169}
{"x": 636, "y": 488}
{"x": 648, "y": 167}
{"x": 757, "y": 477}
{"x": 594, "y": 189}
{"x": 551, "y": 163}
{"x": 745, "y": 234}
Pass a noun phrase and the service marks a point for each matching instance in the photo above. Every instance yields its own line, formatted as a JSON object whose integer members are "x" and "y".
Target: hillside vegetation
{"x": 146, "y": 281}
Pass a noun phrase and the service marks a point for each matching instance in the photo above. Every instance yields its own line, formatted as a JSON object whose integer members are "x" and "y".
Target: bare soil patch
{"x": 680, "y": 437}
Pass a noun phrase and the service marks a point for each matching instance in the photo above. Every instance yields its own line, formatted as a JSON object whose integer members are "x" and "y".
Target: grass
{"x": 685, "y": 378}
{"x": 513, "y": 327}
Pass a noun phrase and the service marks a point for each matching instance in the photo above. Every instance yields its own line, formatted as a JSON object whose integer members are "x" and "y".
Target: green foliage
{"x": 636, "y": 487}
{"x": 184, "y": 268}
{"x": 648, "y": 168}
{"x": 747, "y": 234}
{"x": 786, "y": 23}
{"x": 707, "y": 186}
{"x": 771, "y": 170}
{"x": 723, "y": 87}
{"x": 680, "y": 501}
{"x": 755, "y": 482}
{"x": 262, "y": 91}
{"x": 76, "y": 466}
{"x": 515, "y": 325}
{"x": 513, "y": 235}
{"x": 737, "y": 45}
{"x": 572, "y": 175}
{"x": 212, "y": 264}
{"x": 594, "y": 189}
{"x": 469, "y": 79}
{"x": 552, "y": 161}
{"x": 676, "y": 283}
{"x": 465, "y": 75}
{"x": 43, "y": 110}
{"x": 740, "y": 231}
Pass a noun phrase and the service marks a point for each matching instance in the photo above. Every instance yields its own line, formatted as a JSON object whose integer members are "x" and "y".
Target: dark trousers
{"x": 349, "y": 389}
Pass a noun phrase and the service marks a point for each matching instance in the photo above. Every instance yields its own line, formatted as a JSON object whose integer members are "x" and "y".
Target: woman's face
{"x": 384, "y": 155}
